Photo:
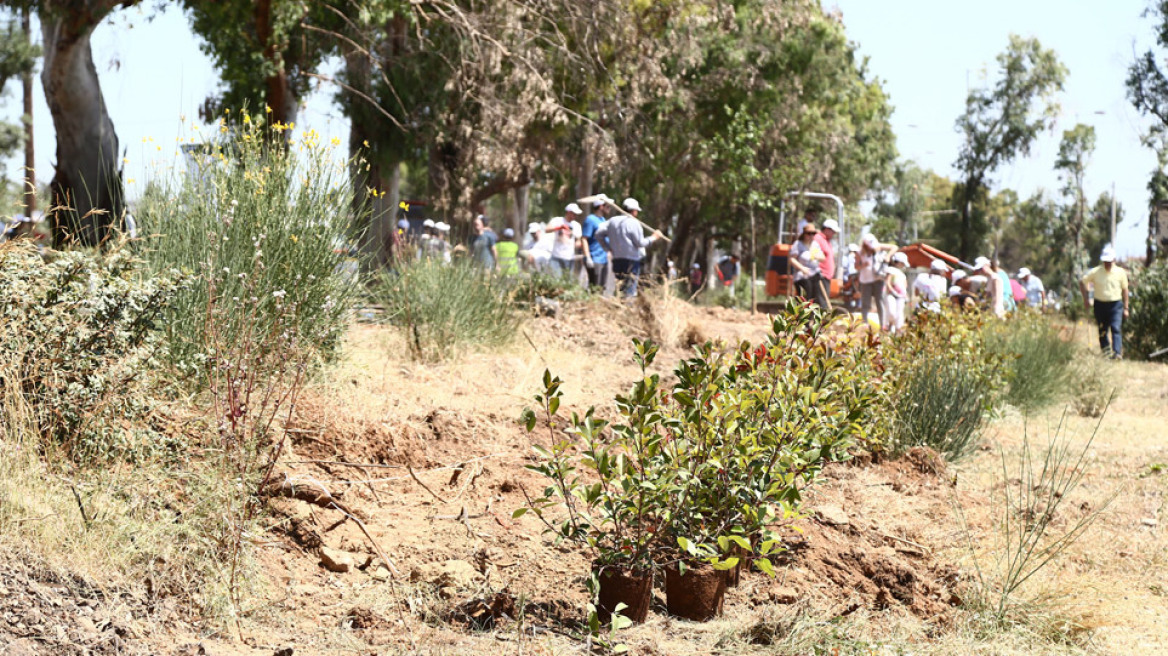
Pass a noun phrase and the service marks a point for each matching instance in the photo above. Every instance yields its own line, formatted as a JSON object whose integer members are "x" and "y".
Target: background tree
{"x": 1075, "y": 150}
{"x": 87, "y": 189}
{"x": 1001, "y": 123}
{"x": 18, "y": 57}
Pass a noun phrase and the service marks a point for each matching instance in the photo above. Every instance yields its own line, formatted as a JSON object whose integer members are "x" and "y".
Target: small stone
{"x": 784, "y": 595}
{"x": 1149, "y": 521}
{"x": 447, "y": 592}
{"x": 381, "y": 574}
{"x": 832, "y": 515}
{"x": 335, "y": 560}
{"x": 452, "y": 573}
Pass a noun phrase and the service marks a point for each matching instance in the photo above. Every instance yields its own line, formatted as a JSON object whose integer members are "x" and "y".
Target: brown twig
{"x": 424, "y": 486}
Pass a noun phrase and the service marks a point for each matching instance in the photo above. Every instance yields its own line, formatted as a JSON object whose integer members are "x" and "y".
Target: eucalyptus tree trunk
{"x": 87, "y": 183}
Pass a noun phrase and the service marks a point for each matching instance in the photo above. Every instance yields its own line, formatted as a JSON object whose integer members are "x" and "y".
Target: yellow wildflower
{"x": 294, "y": 239}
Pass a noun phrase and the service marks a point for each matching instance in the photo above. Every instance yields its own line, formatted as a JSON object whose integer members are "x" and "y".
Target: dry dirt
{"x": 429, "y": 459}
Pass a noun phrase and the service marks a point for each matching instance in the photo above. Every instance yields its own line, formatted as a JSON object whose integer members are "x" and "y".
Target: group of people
{"x": 577, "y": 243}
{"x": 876, "y": 274}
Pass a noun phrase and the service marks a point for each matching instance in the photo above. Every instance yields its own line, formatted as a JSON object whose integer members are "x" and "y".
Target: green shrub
{"x": 443, "y": 309}
{"x": 81, "y": 333}
{"x": 1037, "y": 359}
{"x": 1145, "y": 331}
{"x": 941, "y": 383}
{"x": 703, "y": 470}
{"x": 254, "y": 217}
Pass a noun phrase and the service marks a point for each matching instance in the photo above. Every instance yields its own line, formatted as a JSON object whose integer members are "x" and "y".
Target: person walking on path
{"x": 1035, "y": 291}
{"x": 824, "y": 239}
{"x": 871, "y": 264}
{"x": 596, "y": 255}
{"x": 627, "y": 242}
{"x": 1108, "y": 281}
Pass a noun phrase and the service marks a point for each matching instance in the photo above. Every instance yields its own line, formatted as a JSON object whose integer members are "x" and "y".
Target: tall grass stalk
{"x": 443, "y": 309}
{"x": 254, "y": 207}
{"x": 1036, "y": 485}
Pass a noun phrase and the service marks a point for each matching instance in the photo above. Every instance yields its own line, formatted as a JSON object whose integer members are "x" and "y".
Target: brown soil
{"x": 431, "y": 459}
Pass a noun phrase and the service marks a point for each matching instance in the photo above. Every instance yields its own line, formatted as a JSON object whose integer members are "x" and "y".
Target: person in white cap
{"x": 806, "y": 256}
{"x": 994, "y": 291}
{"x": 423, "y": 241}
{"x": 851, "y": 285}
{"x": 961, "y": 299}
{"x": 1035, "y": 291}
{"x": 895, "y": 293}
{"x": 626, "y": 240}
{"x": 440, "y": 242}
{"x": 871, "y": 263}
{"x": 824, "y": 239}
{"x": 696, "y": 278}
{"x": 1108, "y": 283}
{"x": 929, "y": 288}
{"x": 566, "y": 236}
{"x": 596, "y": 255}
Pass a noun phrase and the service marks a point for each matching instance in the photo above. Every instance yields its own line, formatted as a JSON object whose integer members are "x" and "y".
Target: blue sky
{"x": 926, "y": 52}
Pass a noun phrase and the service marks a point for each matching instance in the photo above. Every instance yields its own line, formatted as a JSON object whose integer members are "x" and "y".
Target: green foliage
{"x": 1146, "y": 329}
{"x": 444, "y": 309}
{"x": 81, "y": 340}
{"x": 18, "y": 56}
{"x": 942, "y": 384}
{"x": 1094, "y": 385}
{"x": 704, "y": 470}
{"x": 1036, "y": 357}
{"x": 258, "y": 223}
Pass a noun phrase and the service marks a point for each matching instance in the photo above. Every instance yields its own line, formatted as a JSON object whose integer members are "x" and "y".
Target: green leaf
{"x": 729, "y": 563}
{"x": 519, "y": 512}
{"x": 527, "y": 419}
{"x": 765, "y": 565}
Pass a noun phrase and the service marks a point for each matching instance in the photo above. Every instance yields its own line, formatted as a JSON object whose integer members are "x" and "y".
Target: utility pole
{"x": 30, "y": 189}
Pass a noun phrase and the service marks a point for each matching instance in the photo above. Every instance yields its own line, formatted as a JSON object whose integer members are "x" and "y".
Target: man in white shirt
{"x": 1035, "y": 291}
{"x": 929, "y": 288}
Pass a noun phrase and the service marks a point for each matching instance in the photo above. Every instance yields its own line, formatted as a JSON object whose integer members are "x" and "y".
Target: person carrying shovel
{"x": 627, "y": 241}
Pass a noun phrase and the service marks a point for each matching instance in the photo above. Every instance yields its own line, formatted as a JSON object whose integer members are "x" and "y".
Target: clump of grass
{"x": 527, "y": 288}
{"x": 942, "y": 405}
{"x": 445, "y": 309}
{"x": 1094, "y": 387}
{"x": 253, "y": 217}
{"x": 1037, "y": 359}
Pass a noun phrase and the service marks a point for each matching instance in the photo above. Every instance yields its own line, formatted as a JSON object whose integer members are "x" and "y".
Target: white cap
{"x": 603, "y": 198}
{"x": 507, "y": 232}
{"x": 957, "y": 275}
{"x": 831, "y": 224}
{"x": 954, "y": 291}
{"x": 939, "y": 266}
{"x": 631, "y": 205}
{"x": 573, "y": 208}
{"x": 1023, "y": 272}
{"x": 870, "y": 240}
{"x": 900, "y": 258}
{"x": 981, "y": 263}
{"x": 557, "y": 222}
{"x": 855, "y": 248}
{"x": 695, "y": 265}
{"x": 1108, "y": 254}
{"x": 534, "y": 227}
{"x": 442, "y": 226}
{"x": 428, "y": 223}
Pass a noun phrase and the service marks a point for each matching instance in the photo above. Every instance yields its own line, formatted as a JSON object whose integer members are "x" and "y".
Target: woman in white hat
{"x": 871, "y": 263}
{"x": 895, "y": 293}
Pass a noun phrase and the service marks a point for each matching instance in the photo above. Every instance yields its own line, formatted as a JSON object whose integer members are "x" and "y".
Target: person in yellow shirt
{"x": 1109, "y": 283}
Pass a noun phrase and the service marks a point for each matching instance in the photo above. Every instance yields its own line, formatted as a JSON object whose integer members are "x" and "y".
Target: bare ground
{"x": 879, "y": 565}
